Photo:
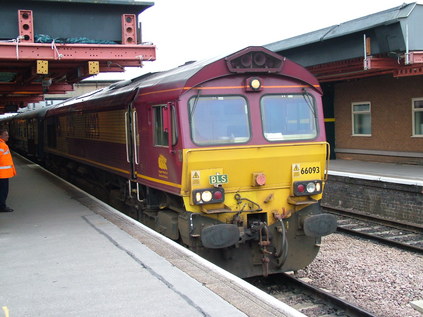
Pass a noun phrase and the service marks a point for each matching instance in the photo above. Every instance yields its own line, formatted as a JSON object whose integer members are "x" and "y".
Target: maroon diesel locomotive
{"x": 227, "y": 156}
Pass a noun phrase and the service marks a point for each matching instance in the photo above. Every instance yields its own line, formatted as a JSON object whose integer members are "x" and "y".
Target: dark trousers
{"x": 4, "y": 191}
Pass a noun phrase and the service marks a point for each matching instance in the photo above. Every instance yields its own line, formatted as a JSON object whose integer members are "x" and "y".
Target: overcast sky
{"x": 186, "y": 30}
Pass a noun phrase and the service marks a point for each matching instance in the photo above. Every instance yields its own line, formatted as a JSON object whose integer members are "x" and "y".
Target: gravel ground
{"x": 378, "y": 278}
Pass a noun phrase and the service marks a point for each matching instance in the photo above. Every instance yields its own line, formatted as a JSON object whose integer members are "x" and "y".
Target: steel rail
{"x": 307, "y": 296}
{"x": 415, "y": 229}
{"x": 351, "y": 309}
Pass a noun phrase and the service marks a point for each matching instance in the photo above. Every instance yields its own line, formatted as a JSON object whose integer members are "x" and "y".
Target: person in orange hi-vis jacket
{"x": 7, "y": 169}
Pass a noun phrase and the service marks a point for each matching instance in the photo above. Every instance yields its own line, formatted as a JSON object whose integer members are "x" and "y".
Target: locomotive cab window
{"x": 160, "y": 133}
{"x": 219, "y": 120}
{"x": 289, "y": 117}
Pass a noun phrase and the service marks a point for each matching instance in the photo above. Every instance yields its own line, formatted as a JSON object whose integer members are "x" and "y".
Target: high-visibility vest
{"x": 7, "y": 168}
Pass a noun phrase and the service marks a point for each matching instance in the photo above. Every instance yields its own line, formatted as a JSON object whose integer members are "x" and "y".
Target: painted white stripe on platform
{"x": 405, "y": 181}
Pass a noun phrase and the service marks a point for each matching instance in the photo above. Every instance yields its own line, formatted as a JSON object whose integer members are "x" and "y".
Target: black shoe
{"x": 7, "y": 209}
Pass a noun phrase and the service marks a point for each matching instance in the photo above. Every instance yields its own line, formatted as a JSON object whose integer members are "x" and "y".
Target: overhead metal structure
{"x": 387, "y": 42}
{"x": 48, "y": 45}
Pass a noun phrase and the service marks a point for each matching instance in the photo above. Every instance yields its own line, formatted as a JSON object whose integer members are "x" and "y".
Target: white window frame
{"x": 353, "y": 113}
{"x": 414, "y": 111}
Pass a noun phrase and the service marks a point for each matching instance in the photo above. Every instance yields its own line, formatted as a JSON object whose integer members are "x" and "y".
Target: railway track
{"x": 405, "y": 236}
{"x": 309, "y": 300}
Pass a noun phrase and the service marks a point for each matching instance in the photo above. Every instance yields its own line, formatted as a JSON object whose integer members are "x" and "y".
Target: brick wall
{"x": 387, "y": 200}
{"x": 391, "y": 116}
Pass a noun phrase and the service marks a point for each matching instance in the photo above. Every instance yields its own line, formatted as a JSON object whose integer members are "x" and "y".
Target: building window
{"x": 361, "y": 118}
{"x": 418, "y": 117}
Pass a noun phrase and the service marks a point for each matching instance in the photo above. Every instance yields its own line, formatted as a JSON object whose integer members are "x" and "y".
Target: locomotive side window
{"x": 160, "y": 135}
{"x": 219, "y": 120}
{"x": 288, "y": 117}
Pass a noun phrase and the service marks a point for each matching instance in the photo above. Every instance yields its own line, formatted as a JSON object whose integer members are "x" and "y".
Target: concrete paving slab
{"x": 61, "y": 259}
{"x": 64, "y": 253}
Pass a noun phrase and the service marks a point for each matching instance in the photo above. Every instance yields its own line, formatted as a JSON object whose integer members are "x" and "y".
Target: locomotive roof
{"x": 37, "y": 113}
{"x": 175, "y": 81}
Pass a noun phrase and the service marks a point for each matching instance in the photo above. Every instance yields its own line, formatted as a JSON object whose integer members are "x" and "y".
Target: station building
{"x": 371, "y": 73}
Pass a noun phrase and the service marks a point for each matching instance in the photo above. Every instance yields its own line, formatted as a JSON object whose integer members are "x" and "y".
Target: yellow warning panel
{"x": 195, "y": 178}
{"x": 42, "y": 67}
{"x": 201, "y": 178}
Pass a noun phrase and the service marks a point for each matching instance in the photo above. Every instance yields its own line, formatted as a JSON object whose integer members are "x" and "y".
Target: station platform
{"x": 65, "y": 253}
{"x": 385, "y": 172}
{"x": 384, "y": 190}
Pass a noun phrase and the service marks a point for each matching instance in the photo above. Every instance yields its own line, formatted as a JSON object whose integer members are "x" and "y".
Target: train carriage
{"x": 26, "y": 131}
{"x": 227, "y": 156}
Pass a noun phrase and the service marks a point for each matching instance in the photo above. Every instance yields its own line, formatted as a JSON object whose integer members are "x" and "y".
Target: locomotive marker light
{"x": 253, "y": 84}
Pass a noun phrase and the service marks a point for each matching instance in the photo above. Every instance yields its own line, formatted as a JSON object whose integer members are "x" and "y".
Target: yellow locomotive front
{"x": 257, "y": 210}
{"x": 253, "y": 174}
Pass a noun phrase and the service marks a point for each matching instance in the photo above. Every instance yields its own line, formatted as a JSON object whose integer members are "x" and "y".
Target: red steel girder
{"x": 34, "y": 88}
{"x": 371, "y": 66}
{"x": 413, "y": 70}
{"x": 337, "y": 67}
{"x": 352, "y": 75}
{"x": 416, "y": 57}
{"x": 78, "y": 52}
{"x": 355, "y": 68}
{"x": 26, "y": 25}
{"x": 58, "y": 65}
{"x": 385, "y": 63}
{"x": 20, "y": 99}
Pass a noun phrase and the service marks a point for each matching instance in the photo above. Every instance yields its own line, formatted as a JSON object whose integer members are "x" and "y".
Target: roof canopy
{"x": 393, "y": 34}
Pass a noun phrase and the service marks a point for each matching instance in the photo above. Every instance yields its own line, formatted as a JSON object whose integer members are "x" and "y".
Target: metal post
{"x": 365, "y": 65}
{"x": 407, "y": 53}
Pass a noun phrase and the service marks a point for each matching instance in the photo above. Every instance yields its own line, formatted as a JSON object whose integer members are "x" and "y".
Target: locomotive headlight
{"x": 311, "y": 187}
{"x": 307, "y": 188}
{"x": 255, "y": 84}
{"x": 206, "y": 196}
